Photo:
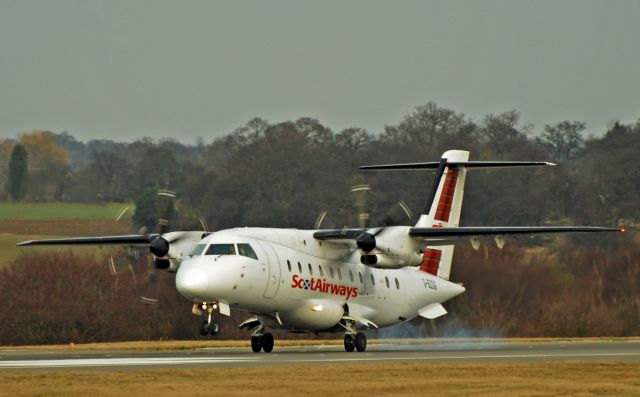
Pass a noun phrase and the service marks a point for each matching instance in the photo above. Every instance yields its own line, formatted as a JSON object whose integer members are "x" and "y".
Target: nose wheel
{"x": 210, "y": 328}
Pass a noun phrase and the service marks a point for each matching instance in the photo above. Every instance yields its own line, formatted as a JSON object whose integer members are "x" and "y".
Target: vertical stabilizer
{"x": 444, "y": 207}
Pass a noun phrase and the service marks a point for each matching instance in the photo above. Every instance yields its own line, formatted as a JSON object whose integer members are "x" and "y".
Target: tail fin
{"x": 443, "y": 209}
{"x": 444, "y": 202}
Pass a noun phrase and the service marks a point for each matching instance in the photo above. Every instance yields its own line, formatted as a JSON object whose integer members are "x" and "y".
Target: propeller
{"x": 398, "y": 214}
{"x": 121, "y": 259}
{"x": 159, "y": 246}
{"x": 360, "y": 193}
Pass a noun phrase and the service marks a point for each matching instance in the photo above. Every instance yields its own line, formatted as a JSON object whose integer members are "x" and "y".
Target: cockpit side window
{"x": 246, "y": 250}
{"x": 221, "y": 249}
{"x": 197, "y": 250}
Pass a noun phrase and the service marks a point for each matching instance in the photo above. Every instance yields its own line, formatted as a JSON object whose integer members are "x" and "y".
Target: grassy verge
{"x": 592, "y": 378}
{"x": 201, "y": 344}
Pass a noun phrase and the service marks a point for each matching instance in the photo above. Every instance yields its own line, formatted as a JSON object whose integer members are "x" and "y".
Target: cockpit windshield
{"x": 197, "y": 250}
{"x": 246, "y": 250}
{"x": 221, "y": 249}
{"x": 224, "y": 249}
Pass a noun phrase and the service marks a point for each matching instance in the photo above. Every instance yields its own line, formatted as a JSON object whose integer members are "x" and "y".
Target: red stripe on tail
{"x": 446, "y": 197}
{"x": 431, "y": 261}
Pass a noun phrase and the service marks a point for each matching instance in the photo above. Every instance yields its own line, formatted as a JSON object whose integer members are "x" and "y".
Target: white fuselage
{"x": 303, "y": 284}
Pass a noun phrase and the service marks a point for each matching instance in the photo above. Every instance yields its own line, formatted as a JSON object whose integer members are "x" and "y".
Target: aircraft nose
{"x": 192, "y": 282}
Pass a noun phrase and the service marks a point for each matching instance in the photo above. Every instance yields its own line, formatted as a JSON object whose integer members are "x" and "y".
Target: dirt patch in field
{"x": 65, "y": 227}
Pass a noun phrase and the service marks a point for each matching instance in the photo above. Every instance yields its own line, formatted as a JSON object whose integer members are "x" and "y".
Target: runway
{"x": 463, "y": 352}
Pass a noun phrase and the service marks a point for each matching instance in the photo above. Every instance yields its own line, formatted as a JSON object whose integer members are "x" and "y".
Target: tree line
{"x": 284, "y": 174}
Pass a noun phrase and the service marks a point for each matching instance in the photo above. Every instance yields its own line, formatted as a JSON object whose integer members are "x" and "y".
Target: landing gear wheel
{"x": 267, "y": 342}
{"x": 204, "y": 328}
{"x": 361, "y": 342}
{"x": 256, "y": 344}
{"x": 213, "y": 328}
{"x": 349, "y": 343}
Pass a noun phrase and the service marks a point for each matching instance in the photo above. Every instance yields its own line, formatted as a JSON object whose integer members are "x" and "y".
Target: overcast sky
{"x": 188, "y": 69}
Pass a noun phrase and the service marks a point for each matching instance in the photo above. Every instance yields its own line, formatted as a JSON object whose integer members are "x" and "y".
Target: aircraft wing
{"x": 451, "y": 235}
{"x": 440, "y": 233}
{"x": 132, "y": 239}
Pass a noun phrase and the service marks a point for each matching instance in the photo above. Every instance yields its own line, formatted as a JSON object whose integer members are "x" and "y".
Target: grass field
{"x": 554, "y": 378}
{"x": 28, "y": 221}
{"x": 41, "y": 211}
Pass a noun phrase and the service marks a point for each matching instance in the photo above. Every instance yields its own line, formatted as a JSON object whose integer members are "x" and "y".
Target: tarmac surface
{"x": 464, "y": 352}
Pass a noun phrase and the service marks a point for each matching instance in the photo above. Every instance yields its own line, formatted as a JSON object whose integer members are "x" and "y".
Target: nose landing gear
{"x": 207, "y": 325}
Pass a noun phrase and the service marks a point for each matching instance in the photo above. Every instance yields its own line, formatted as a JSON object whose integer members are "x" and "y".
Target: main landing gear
{"x": 354, "y": 340}
{"x": 261, "y": 340}
{"x": 207, "y": 325}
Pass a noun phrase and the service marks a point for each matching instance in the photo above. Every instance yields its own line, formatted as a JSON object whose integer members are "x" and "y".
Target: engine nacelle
{"x": 387, "y": 261}
{"x": 178, "y": 250}
{"x": 395, "y": 249}
{"x": 313, "y": 315}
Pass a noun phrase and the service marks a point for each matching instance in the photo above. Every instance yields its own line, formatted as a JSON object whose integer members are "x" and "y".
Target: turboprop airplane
{"x": 343, "y": 280}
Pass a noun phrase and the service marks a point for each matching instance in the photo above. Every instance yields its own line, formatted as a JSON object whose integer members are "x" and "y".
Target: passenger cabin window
{"x": 351, "y": 275}
{"x": 310, "y": 269}
{"x": 321, "y": 270}
{"x": 339, "y": 274}
{"x": 197, "y": 250}
{"x": 360, "y": 277}
{"x": 373, "y": 280}
{"x": 397, "y": 284}
{"x": 299, "y": 267}
{"x": 221, "y": 249}
{"x": 331, "y": 270}
{"x": 289, "y": 265}
{"x": 386, "y": 280}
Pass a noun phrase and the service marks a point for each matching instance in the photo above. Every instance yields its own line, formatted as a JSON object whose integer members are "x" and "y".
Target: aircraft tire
{"x": 349, "y": 343}
{"x": 267, "y": 342}
{"x": 361, "y": 342}
{"x": 213, "y": 329}
{"x": 204, "y": 328}
{"x": 256, "y": 344}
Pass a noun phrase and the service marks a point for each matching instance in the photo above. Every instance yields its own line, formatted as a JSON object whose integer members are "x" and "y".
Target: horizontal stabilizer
{"x": 433, "y": 165}
{"x": 134, "y": 239}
